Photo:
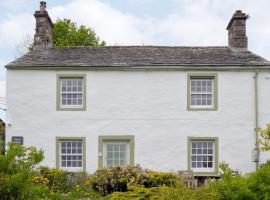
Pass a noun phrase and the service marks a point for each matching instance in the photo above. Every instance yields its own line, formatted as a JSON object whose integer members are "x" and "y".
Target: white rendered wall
{"x": 148, "y": 104}
{"x": 264, "y": 106}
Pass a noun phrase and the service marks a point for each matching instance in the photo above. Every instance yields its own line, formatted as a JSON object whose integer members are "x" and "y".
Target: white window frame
{"x": 127, "y": 143}
{"x": 202, "y": 169}
{"x": 72, "y": 92}
{"x": 72, "y": 169}
{"x": 202, "y": 92}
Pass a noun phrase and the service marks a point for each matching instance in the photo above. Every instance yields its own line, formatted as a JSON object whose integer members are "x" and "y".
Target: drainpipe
{"x": 256, "y": 149}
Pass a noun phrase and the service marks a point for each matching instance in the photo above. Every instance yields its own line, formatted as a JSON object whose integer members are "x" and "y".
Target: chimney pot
{"x": 42, "y": 6}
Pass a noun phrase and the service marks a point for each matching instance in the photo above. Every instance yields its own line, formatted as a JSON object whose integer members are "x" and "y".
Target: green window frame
{"x": 115, "y": 138}
{"x": 58, "y": 154}
{"x": 212, "y": 76}
{"x": 58, "y": 92}
{"x": 213, "y": 172}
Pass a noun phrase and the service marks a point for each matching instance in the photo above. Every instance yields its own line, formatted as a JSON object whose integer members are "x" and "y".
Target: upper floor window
{"x": 71, "y": 92}
{"x": 202, "y": 92}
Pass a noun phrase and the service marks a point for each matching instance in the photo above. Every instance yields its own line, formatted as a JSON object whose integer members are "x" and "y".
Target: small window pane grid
{"x": 116, "y": 154}
{"x": 201, "y": 91}
{"x": 71, "y": 155}
{"x": 202, "y": 154}
{"x": 71, "y": 92}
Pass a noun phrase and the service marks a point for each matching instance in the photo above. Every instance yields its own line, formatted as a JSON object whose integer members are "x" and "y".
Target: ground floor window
{"x": 71, "y": 154}
{"x": 203, "y": 154}
{"x": 116, "y": 151}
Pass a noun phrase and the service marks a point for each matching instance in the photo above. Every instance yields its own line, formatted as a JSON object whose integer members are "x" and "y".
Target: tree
{"x": 264, "y": 138}
{"x": 66, "y": 33}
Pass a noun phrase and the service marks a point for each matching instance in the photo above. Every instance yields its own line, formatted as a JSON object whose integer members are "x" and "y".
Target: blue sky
{"x": 139, "y": 22}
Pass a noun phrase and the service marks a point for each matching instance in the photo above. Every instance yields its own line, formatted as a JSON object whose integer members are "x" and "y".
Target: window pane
{"x": 199, "y": 158}
{"x": 116, "y": 147}
{"x": 193, "y": 158}
{"x": 204, "y": 164}
{"x": 109, "y": 147}
{"x": 116, "y": 155}
{"x": 110, "y": 155}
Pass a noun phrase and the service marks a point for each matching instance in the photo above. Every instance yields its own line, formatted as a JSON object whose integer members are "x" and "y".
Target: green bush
{"x": 119, "y": 179}
{"x": 259, "y": 182}
{"x": 17, "y": 173}
{"x": 113, "y": 179}
{"x": 180, "y": 192}
{"x": 156, "y": 179}
{"x": 135, "y": 193}
{"x": 58, "y": 180}
{"x": 232, "y": 187}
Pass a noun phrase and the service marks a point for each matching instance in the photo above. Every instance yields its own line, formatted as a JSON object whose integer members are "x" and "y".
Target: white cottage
{"x": 166, "y": 108}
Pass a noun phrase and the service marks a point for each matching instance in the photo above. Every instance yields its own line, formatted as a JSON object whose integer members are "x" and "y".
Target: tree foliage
{"x": 17, "y": 173}
{"x": 66, "y": 33}
{"x": 264, "y": 138}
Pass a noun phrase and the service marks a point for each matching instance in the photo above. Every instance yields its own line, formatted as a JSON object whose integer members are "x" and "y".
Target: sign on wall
{"x": 17, "y": 139}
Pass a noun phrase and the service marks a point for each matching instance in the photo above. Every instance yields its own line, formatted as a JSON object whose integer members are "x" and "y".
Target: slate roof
{"x": 132, "y": 56}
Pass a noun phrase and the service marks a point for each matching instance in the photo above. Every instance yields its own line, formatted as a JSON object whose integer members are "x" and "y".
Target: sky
{"x": 138, "y": 22}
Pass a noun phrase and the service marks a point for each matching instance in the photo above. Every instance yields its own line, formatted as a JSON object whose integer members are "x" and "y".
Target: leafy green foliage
{"x": 156, "y": 179}
{"x": 264, "y": 138}
{"x": 17, "y": 173}
{"x": 180, "y": 192}
{"x": 120, "y": 179}
{"x": 113, "y": 179}
{"x": 259, "y": 182}
{"x": 252, "y": 186}
{"x": 231, "y": 187}
{"x": 66, "y": 33}
{"x": 21, "y": 179}
{"x": 57, "y": 180}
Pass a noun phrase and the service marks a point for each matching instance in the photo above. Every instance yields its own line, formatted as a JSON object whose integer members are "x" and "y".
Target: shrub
{"x": 180, "y": 192}
{"x": 156, "y": 179}
{"x": 84, "y": 188}
{"x": 57, "y": 179}
{"x": 113, "y": 179}
{"x": 259, "y": 182}
{"x": 17, "y": 173}
{"x": 119, "y": 179}
{"x": 135, "y": 193}
{"x": 231, "y": 187}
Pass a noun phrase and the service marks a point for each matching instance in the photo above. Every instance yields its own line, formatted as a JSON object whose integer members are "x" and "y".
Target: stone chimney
{"x": 237, "y": 31}
{"x": 44, "y": 25}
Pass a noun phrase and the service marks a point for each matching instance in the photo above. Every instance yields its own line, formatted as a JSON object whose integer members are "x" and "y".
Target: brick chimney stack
{"x": 44, "y": 25}
{"x": 237, "y": 31}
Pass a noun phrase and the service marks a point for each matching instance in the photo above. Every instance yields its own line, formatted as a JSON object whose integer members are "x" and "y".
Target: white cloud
{"x": 15, "y": 28}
